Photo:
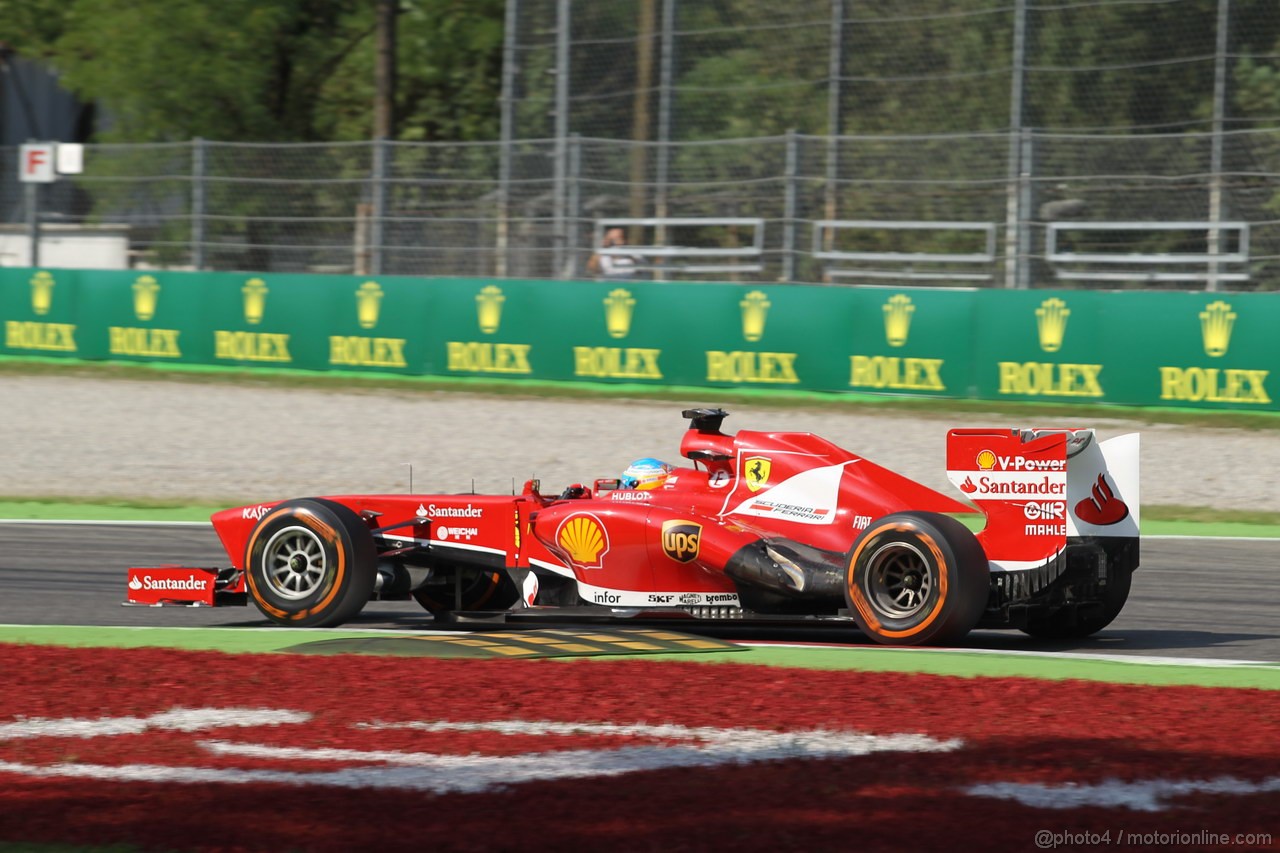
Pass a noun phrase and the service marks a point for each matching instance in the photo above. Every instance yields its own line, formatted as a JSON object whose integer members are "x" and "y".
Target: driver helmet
{"x": 647, "y": 473}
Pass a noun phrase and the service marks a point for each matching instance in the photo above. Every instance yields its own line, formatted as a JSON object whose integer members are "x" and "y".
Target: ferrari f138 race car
{"x": 778, "y": 527}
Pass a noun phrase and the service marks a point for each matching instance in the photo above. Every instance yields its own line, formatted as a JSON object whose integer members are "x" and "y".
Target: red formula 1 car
{"x": 781, "y": 527}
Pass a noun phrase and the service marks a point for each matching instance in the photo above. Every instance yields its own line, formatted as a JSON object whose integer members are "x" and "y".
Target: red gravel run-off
{"x": 1014, "y": 730}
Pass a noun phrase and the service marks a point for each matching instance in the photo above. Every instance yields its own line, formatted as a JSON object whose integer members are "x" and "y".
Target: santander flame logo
{"x": 1102, "y": 507}
{"x": 968, "y": 486}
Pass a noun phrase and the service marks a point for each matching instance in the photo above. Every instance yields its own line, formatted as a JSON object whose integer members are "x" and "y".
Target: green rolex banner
{"x": 1192, "y": 349}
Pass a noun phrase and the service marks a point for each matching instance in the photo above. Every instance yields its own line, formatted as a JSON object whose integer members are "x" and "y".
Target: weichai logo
{"x": 680, "y": 540}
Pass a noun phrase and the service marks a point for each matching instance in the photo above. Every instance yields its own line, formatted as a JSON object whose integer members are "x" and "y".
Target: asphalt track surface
{"x": 1213, "y": 599}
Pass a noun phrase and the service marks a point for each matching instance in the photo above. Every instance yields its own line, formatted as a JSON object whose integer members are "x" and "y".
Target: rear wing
{"x": 1039, "y": 487}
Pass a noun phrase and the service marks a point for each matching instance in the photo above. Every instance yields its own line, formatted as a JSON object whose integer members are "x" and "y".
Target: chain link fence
{"x": 1122, "y": 143}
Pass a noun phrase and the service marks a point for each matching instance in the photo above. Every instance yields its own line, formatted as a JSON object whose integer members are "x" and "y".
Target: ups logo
{"x": 680, "y": 540}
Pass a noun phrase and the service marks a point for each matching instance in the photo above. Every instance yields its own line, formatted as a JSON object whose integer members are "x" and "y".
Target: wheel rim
{"x": 293, "y": 563}
{"x": 898, "y": 581}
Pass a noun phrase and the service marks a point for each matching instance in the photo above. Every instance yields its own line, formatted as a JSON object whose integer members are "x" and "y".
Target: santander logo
{"x": 1102, "y": 507}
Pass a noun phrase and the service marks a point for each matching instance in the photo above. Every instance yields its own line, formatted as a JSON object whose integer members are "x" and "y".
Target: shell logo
{"x": 986, "y": 460}
{"x": 584, "y": 540}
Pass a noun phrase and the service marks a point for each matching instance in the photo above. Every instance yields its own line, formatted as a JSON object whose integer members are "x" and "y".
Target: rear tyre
{"x": 310, "y": 563}
{"x": 916, "y": 578}
{"x": 1067, "y": 624}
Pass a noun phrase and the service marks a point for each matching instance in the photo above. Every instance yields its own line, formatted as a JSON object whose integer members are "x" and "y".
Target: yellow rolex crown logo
{"x": 897, "y": 319}
{"x": 1216, "y": 321}
{"x": 489, "y": 308}
{"x": 255, "y": 300}
{"x": 41, "y": 292}
{"x": 618, "y": 306}
{"x": 368, "y": 303}
{"x": 1051, "y": 321}
{"x": 755, "y": 307}
{"x": 146, "y": 291}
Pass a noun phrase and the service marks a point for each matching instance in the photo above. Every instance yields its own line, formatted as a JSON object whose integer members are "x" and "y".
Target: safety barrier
{"x": 1192, "y": 349}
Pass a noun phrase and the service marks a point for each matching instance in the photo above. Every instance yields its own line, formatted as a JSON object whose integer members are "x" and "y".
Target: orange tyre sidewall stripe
{"x": 864, "y": 607}
{"x": 327, "y": 533}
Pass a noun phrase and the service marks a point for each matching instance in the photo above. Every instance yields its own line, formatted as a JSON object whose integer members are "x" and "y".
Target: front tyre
{"x": 310, "y": 563}
{"x": 916, "y": 578}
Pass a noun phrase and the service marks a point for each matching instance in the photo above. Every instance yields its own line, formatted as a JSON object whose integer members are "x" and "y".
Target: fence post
{"x": 33, "y": 220}
{"x": 663, "y": 168}
{"x": 1013, "y": 215}
{"x": 503, "y": 236}
{"x": 198, "y": 202}
{"x": 575, "y": 202}
{"x": 789, "y": 209}
{"x": 379, "y": 193}
{"x": 562, "y": 136}
{"x": 1025, "y": 206}
{"x": 834, "y": 70}
{"x": 1215, "y": 155}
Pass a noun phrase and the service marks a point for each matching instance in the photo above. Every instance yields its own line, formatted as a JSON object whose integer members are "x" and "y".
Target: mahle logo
{"x": 755, "y": 309}
{"x": 42, "y": 292}
{"x": 897, "y": 319}
{"x": 255, "y": 300}
{"x": 368, "y": 304}
{"x": 146, "y": 292}
{"x": 1051, "y": 322}
{"x": 618, "y": 308}
{"x": 1216, "y": 322}
{"x": 489, "y": 308}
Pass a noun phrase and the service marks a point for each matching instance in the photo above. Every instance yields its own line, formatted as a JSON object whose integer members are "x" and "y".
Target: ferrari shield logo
{"x": 756, "y": 471}
{"x": 680, "y": 539}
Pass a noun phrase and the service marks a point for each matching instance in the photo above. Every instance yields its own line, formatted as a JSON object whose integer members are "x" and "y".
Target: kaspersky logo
{"x": 368, "y": 304}
{"x": 41, "y": 293}
{"x": 1216, "y": 322}
{"x": 489, "y": 308}
{"x": 897, "y": 319}
{"x": 582, "y": 537}
{"x": 1051, "y": 322}
{"x": 254, "y": 292}
{"x": 618, "y": 308}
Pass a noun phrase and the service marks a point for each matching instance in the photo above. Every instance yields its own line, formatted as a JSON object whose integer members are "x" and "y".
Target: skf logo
{"x": 489, "y": 308}
{"x": 368, "y": 303}
{"x": 1051, "y": 322}
{"x": 41, "y": 292}
{"x": 680, "y": 540}
{"x": 255, "y": 300}
{"x": 146, "y": 291}
{"x": 1216, "y": 321}
{"x": 755, "y": 308}
{"x": 756, "y": 471}
{"x": 986, "y": 460}
{"x": 618, "y": 307}
{"x": 897, "y": 319}
{"x": 583, "y": 538}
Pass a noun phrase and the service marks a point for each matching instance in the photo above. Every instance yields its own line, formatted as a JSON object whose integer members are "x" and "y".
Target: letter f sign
{"x": 35, "y": 163}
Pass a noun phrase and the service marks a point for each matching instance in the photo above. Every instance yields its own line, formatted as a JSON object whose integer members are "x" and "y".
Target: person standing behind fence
{"x": 611, "y": 266}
